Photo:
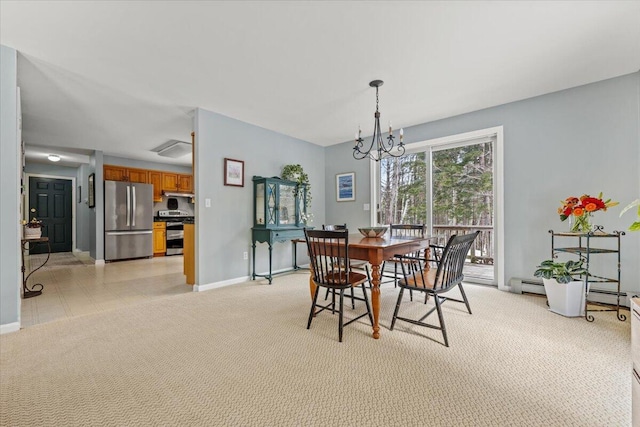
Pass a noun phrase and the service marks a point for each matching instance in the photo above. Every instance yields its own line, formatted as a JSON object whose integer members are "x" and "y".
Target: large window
{"x": 449, "y": 187}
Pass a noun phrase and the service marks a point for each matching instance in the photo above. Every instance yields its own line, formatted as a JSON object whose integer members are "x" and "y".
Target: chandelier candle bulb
{"x": 401, "y": 134}
{"x": 390, "y": 131}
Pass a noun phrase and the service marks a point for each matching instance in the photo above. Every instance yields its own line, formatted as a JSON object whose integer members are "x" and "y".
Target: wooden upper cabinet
{"x": 140, "y": 176}
{"x": 155, "y": 178}
{"x": 115, "y": 173}
{"x": 169, "y": 181}
{"x": 185, "y": 183}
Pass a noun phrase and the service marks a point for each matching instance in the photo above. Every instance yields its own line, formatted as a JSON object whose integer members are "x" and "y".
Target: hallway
{"x": 74, "y": 286}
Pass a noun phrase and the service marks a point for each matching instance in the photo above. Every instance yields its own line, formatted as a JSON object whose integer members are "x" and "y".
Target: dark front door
{"x": 51, "y": 199}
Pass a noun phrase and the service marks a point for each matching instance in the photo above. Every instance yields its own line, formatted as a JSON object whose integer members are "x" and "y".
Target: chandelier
{"x": 379, "y": 148}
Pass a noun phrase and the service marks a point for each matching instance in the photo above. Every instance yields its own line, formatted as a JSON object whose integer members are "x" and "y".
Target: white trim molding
{"x": 9, "y": 327}
{"x": 221, "y": 284}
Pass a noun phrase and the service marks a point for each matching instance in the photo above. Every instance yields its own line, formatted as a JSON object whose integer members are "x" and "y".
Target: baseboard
{"x": 535, "y": 286}
{"x": 222, "y": 284}
{"x": 99, "y": 262}
{"x": 9, "y": 327}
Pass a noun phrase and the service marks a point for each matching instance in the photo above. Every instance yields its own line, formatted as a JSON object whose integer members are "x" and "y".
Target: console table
{"x": 26, "y": 245}
{"x": 270, "y": 236}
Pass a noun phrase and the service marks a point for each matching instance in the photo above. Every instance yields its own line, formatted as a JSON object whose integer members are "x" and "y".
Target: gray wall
{"x": 9, "y": 190}
{"x": 576, "y": 141}
{"x": 83, "y": 213}
{"x": 224, "y": 230}
{"x": 50, "y": 169}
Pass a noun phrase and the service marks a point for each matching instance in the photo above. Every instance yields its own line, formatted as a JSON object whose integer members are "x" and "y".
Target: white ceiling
{"x": 125, "y": 77}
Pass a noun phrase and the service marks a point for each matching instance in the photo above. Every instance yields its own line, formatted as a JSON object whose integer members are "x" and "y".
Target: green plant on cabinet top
{"x": 297, "y": 174}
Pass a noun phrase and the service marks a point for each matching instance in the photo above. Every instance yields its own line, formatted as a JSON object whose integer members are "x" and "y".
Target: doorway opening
{"x": 51, "y": 201}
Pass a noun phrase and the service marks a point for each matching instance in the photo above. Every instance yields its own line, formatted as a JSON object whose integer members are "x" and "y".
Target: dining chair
{"x": 331, "y": 269}
{"x": 357, "y": 264}
{"x": 417, "y": 276}
{"x": 401, "y": 231}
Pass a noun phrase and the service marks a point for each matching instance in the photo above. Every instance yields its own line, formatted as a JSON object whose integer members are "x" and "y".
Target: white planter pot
{"x": 32, "y": 233}
{"x": 566, "y": 299}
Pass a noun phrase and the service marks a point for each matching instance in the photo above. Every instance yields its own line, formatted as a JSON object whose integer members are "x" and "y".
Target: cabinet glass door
{"x": 260, "y": 203}
{"x": 287, "y": 213}
{"x": 271, "y": 204}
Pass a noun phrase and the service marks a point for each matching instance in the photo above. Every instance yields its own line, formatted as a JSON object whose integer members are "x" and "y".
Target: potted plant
{"x": 563, "y": 286}
{"x": 635, "y": 226}
{"x": 580, "y": 211}
{"x": 32, "y": 229}
{"x": 296, "y": 174}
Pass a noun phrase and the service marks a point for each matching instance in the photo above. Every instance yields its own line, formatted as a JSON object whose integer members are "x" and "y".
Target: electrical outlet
{"x": 245, "y": 255}
{"x": 207, "y": 203}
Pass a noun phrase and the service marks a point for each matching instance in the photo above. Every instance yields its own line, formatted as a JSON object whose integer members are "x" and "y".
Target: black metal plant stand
{"x": 26, "y": 245}
{"x": 584, "y": 251}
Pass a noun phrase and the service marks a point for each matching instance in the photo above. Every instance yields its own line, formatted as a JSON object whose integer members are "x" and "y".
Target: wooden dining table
{"x": 376, "y": 250}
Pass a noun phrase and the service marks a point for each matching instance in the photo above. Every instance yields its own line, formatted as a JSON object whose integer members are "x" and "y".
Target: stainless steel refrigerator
{"x": 128, "y": 220}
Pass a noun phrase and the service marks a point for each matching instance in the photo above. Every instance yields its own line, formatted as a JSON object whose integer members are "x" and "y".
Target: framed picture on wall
{"x": 346, "y": 187}
{"x": 92, "y": 191}
{"x": 234, "y": 172}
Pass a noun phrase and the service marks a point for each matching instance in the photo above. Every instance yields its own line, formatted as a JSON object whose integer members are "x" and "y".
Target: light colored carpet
{"x": 242, "y": 356}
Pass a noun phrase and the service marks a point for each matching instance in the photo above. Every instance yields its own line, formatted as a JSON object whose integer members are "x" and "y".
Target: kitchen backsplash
{"x": 184, "y": 204}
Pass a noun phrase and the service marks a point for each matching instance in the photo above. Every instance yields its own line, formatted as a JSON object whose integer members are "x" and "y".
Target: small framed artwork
{"x": 234, "y": 172}
{"x": 346, "y": 187}
{"x": 92, "y": 191}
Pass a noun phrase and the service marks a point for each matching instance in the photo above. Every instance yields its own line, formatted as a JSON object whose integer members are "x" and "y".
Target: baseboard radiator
{"x": 535, "y": 286}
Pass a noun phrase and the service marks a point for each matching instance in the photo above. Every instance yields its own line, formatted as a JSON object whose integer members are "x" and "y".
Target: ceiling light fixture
{"x": 53, "y": 157}
{"x": 382, "y": 149}
{"x": 174, "y": 149}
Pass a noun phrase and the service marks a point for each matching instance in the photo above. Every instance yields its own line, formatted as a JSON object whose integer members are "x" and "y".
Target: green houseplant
{"x": 297, "y": 174}
{"x": 563, "y": 286}
{"x": 635, "y": 226}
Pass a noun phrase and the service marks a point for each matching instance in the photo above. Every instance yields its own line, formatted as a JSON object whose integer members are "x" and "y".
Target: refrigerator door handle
{"x": 128, "y": 205}
{"x": 121, "y": 233}
{"x": 133, "y": 213}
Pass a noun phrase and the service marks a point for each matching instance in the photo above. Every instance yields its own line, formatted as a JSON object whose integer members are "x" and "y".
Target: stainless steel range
{"x": 175, "y": 220}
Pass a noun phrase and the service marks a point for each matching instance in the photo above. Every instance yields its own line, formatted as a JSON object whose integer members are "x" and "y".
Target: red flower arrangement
{"x": 581, "y": 209}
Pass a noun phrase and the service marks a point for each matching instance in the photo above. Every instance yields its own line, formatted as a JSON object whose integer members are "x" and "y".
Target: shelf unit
{"x": 584, "y": 250}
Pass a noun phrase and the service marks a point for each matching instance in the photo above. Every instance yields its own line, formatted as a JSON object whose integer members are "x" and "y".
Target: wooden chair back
{"x": 418, "y": 275}
{"x": 329, "y": 256}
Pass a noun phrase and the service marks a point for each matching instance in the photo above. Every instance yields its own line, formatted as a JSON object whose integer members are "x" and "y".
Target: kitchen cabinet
{"x": 138, "y": 175}
{"x": 161, "y": 181}
{"x": 155, "y": 178}
{"x": 120, "y": 173}
{"x": 169, "y": 181}
{"x": 177, "y": 182}
{"x": 115, "y": 173}
{"x": 185, "y": 183}
{"x": 189, "y": 267}
{"x": 159, "y": 238}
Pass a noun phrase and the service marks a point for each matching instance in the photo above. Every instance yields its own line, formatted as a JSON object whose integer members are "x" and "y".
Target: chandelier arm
{"x": 383, "y": 149}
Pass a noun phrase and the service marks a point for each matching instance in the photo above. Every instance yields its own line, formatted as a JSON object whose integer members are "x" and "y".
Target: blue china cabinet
{"x": 279, "y": 207}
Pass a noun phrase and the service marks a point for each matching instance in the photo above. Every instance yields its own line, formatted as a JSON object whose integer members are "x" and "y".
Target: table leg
{"x": 375, "y": 298}
{"x": 253, "y": 260}
{"x": 270, "y": 277}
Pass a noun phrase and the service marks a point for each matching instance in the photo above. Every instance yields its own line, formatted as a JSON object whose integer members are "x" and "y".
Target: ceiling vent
{"x": 173, "y": 149}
